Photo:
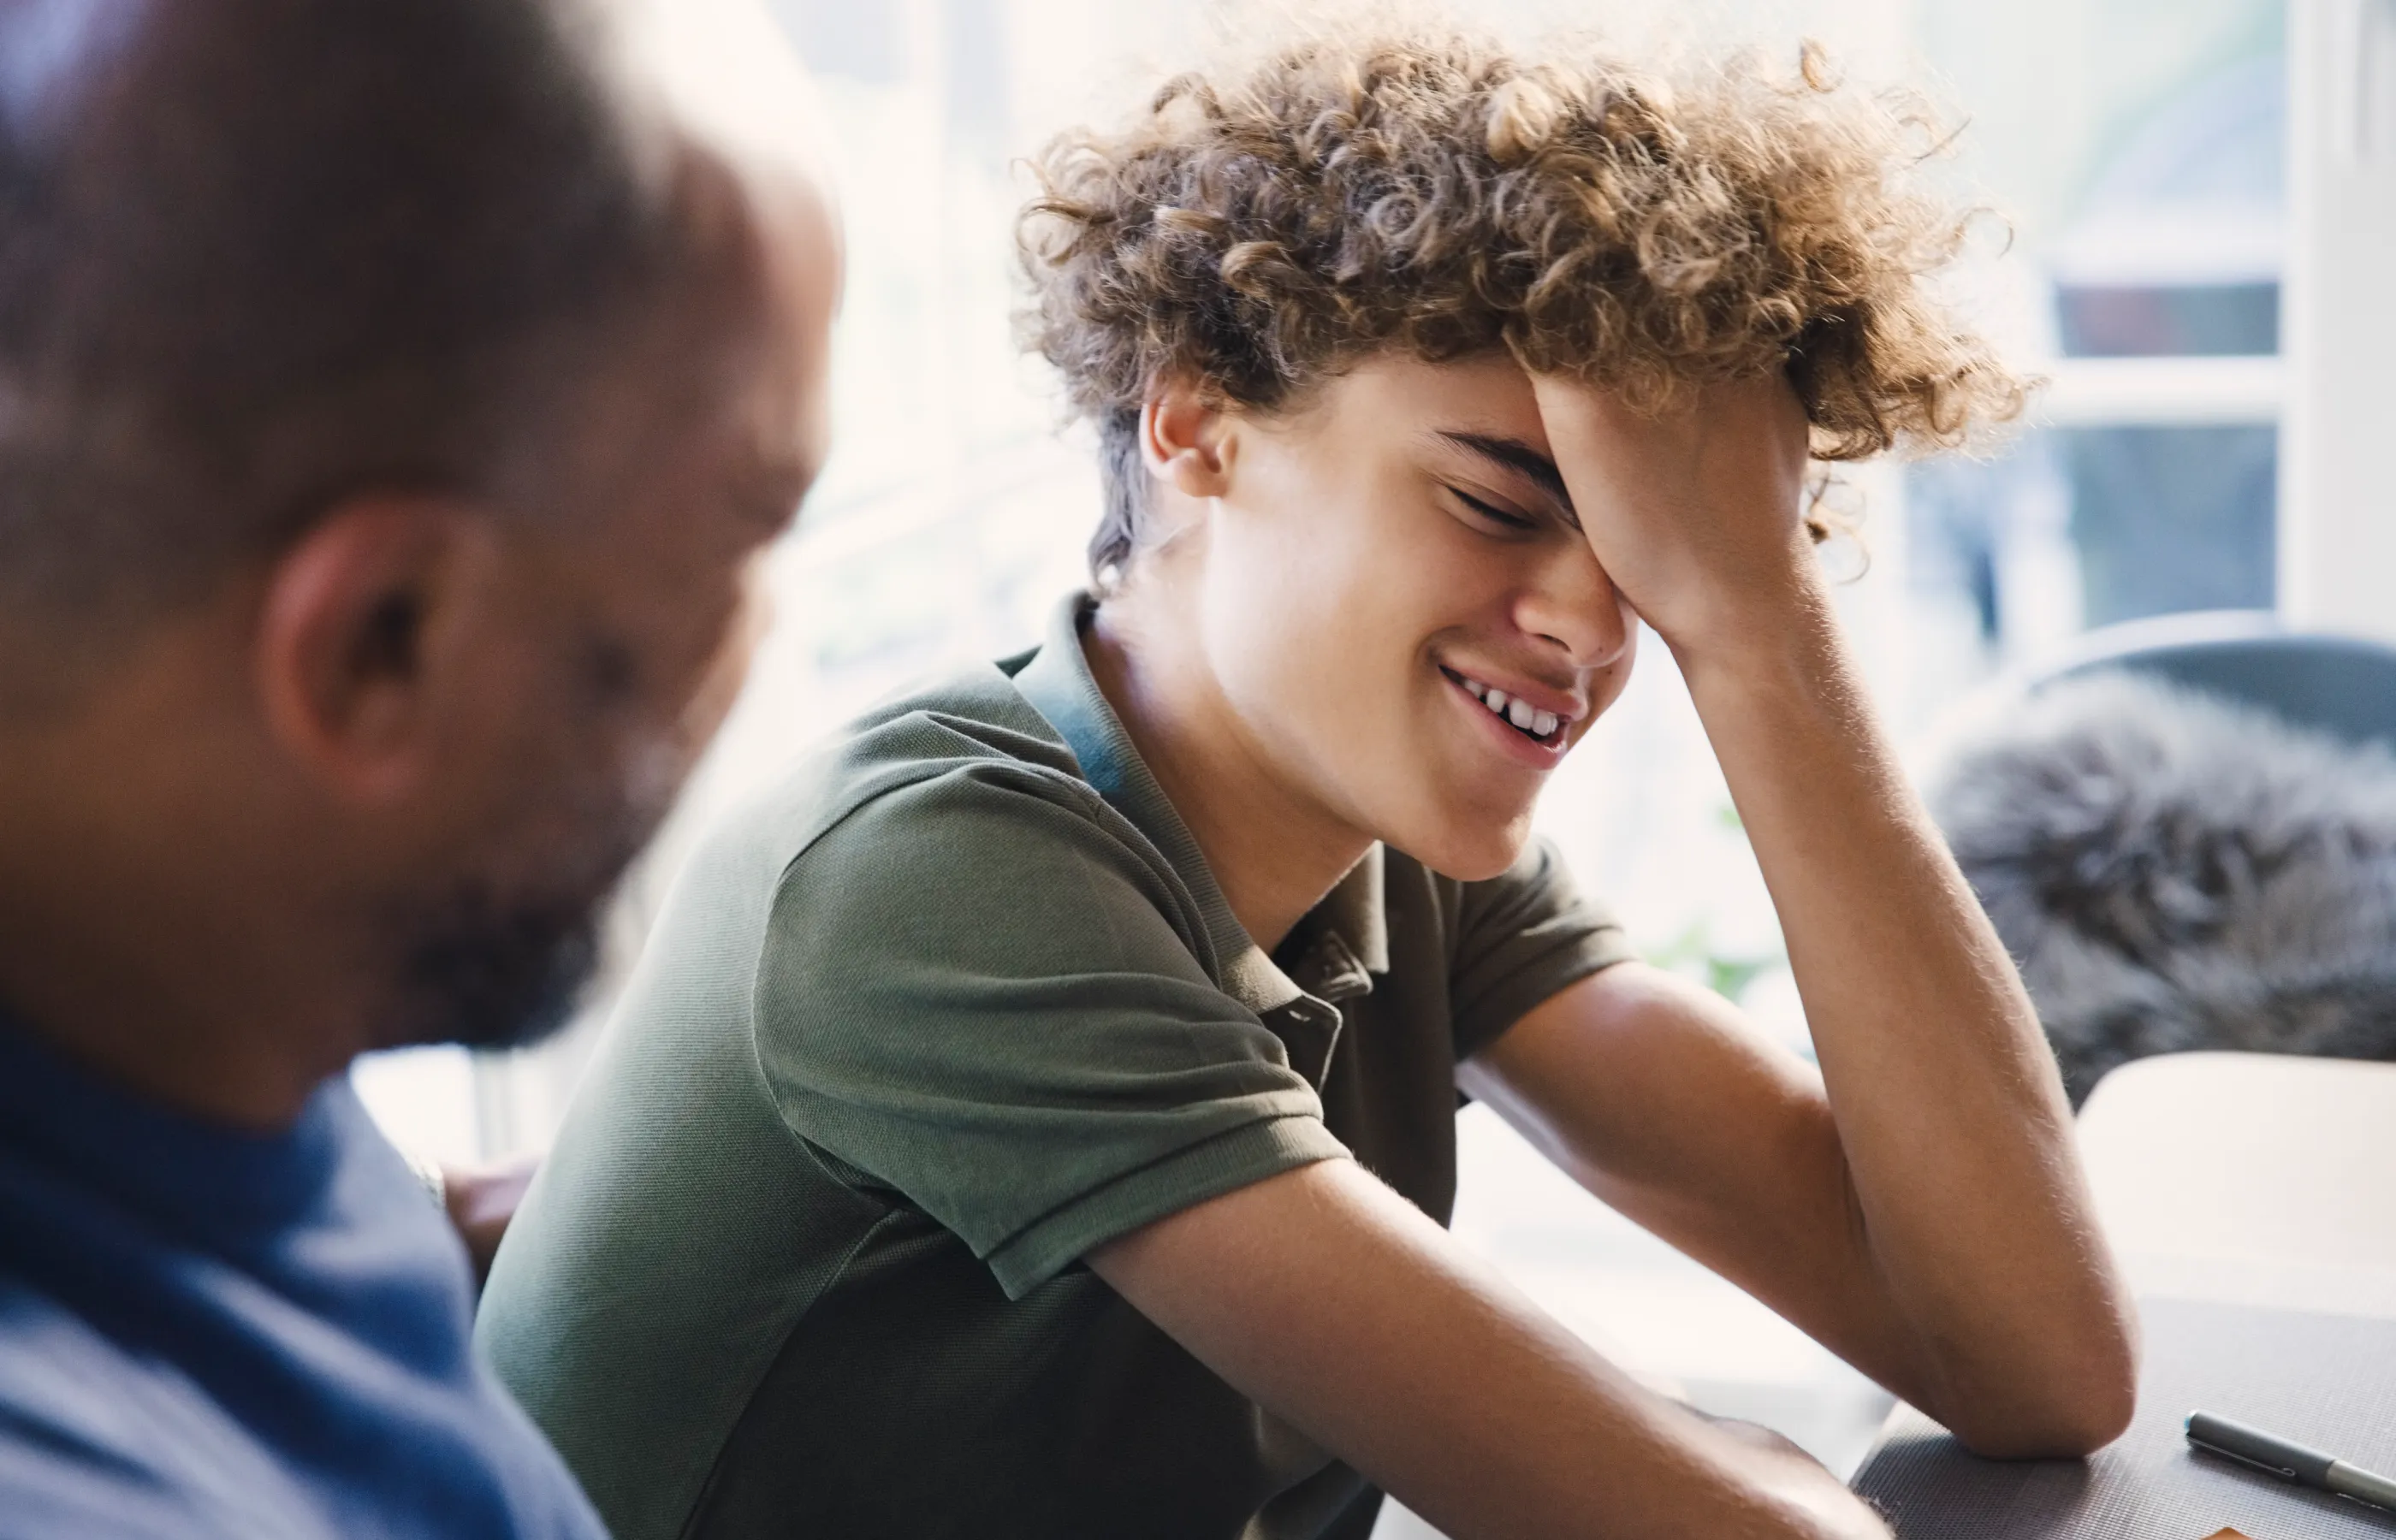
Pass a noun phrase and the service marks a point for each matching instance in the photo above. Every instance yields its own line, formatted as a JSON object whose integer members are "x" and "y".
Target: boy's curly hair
{"x": 1436, "y": 193}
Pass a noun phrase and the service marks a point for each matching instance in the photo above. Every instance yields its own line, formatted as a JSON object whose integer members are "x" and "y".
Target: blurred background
{"x": 2149, "y": 262}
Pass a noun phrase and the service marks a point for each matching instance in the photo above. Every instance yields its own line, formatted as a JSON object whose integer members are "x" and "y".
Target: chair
{"x": 2342, "y": 686}
{"x": 2257, "y": 1179}
{"x": 2235, "y": 894}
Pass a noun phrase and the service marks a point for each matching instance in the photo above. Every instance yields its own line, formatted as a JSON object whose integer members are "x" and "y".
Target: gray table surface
{"x": 2326, "y": 1380}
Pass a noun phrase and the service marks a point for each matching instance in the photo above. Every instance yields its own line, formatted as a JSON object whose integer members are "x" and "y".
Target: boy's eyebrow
{"x": 1519, "y": 457}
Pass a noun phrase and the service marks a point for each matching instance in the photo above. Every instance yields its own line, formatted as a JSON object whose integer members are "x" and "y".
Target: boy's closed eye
{"x": 1519, "y": 465}
{"x": 1504, "y": 518}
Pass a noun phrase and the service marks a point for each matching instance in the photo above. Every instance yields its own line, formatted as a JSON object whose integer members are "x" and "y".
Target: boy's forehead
{"x": 1487, "y": 397}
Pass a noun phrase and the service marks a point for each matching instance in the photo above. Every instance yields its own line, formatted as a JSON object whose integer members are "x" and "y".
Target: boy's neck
{"x": 1272, "y": 851}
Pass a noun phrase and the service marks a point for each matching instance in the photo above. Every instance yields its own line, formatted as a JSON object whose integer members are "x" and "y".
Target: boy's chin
{"x": 1470, "y": 850}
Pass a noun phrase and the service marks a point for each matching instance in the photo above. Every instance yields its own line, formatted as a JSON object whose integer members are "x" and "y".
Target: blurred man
{"x": 391, "y": 406}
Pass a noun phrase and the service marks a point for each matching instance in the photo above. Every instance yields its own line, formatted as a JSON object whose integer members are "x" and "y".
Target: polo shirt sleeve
{"x": 984, "y": 991}
{"x": 1520, "y": 938}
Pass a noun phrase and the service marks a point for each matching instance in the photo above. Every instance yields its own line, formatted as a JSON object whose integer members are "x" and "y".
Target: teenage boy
{"x": 1035, "y": 1118}
{"x": 393, "y": 408}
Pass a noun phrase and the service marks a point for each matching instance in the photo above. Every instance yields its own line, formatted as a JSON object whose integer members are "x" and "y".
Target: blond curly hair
{"x": 1433, "y": 193}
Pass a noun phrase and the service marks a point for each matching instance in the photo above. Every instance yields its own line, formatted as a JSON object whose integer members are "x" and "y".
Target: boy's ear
{"x": 1185, "y": 442}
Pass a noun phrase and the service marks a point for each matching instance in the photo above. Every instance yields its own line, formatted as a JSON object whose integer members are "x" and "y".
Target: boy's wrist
{"x": 1773, "y": 635}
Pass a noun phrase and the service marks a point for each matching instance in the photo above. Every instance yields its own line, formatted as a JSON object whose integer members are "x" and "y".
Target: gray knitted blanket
{"x": 2173, "y": 871}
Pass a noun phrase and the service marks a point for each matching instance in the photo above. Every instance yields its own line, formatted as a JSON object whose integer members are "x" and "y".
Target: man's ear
{"x": 359, "y": 637}
{"x": 1185, "y": 441}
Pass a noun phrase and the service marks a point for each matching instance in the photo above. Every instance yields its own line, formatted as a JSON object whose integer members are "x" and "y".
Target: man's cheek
{"x": 707, "y": 659}
{"x": 725, "y": 669}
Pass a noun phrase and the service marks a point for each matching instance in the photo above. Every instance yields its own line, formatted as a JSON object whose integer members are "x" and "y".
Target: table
{"x": 2236, "y": 1188}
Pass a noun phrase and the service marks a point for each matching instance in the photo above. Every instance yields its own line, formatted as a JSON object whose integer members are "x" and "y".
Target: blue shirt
{"x": 206, "y": 1333}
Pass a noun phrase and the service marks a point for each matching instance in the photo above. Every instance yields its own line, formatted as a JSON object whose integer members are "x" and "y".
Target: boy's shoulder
{"x": 974, "y": 721}
{"x": 965, "y": 761}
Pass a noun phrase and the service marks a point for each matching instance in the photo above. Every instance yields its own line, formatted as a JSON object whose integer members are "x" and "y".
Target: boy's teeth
{"x": 1522, "y": 713}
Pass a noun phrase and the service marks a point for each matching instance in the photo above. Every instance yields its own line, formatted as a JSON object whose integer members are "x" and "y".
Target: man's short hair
{"x": 1254, "y": 231}
{"x": 257, "y": 254}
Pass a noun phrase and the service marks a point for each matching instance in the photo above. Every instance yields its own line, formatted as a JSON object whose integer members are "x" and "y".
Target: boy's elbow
{"x": 2106, "y": 1395}
{"x": 2076, "y": 1414}
{"x": 2098, "y": 1416}
{"x": 2071, "y": 1412}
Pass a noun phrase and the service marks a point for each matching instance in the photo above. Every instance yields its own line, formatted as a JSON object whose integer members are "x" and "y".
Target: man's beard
{"x": 488, "y": 972}
{"x": 498, "y": 958}
{"x": 485, "y": 964}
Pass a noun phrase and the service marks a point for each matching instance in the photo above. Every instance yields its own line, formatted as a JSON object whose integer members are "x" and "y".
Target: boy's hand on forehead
{"x": 1694, "y": 514}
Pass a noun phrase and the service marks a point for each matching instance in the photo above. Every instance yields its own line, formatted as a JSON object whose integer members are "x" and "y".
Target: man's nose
{"x": 1570, "y": 602}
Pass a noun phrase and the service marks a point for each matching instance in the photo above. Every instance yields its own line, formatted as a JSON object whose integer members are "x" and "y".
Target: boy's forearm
{"x": 1339, "y": 1306}
{"x": 1955, "y": 1129}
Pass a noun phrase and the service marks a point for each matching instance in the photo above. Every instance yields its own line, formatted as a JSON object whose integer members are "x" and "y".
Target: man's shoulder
{"x": 98, "y": 1439}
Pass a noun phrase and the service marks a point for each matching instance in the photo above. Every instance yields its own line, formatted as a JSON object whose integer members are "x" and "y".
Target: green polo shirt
{"x": 954, "y": 1004}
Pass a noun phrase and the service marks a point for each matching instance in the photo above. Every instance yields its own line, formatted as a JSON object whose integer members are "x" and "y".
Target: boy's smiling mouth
{"x": 1527, "y": 723}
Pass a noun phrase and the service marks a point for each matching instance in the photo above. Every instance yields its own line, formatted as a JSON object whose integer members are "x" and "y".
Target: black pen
{"x": 2291, "y": 1461}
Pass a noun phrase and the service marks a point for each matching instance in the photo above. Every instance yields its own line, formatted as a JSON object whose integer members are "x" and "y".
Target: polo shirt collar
{"x": 1354, "y": 912}
{"x": 1343, "y": 941}
{"x": 1349, "y": 925}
